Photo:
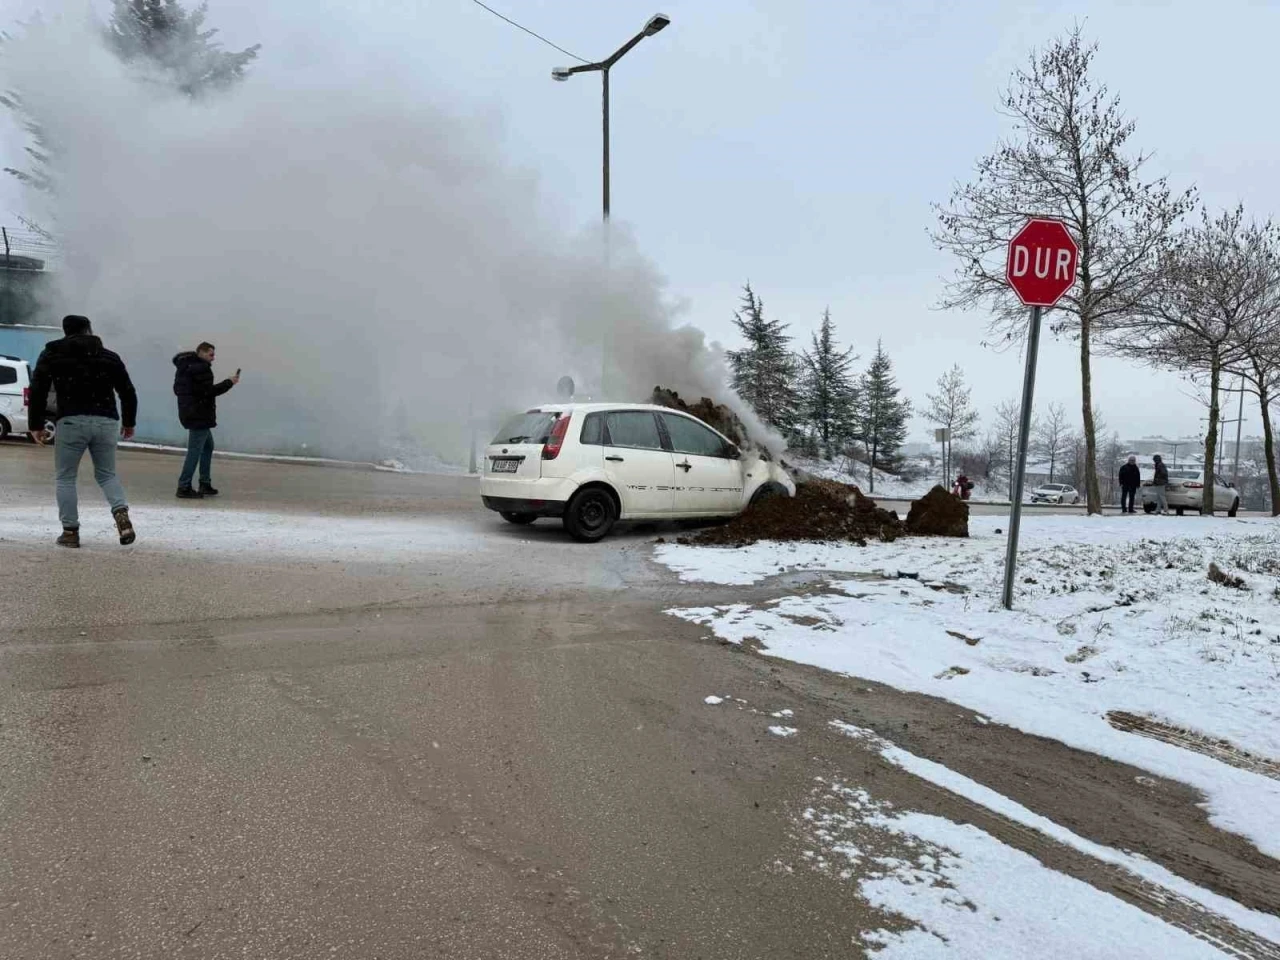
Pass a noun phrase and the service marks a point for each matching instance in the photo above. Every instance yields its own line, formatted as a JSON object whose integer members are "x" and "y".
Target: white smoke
{"x": 368, "y": 259}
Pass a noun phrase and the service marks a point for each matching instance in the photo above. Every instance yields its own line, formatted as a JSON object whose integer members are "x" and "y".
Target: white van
{"x": 591, "y": 464}
{"x": 15, "y": 395}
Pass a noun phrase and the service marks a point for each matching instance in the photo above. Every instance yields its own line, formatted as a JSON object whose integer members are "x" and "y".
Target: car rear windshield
{"x": 531, "y": 427}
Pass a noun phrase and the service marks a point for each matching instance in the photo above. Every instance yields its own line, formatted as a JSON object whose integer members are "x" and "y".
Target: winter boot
{"x": 127, "y": 536}
{"x": 207, "y": 490}
{"x": 69, "y": 538}
{"x": 186, "y": 493}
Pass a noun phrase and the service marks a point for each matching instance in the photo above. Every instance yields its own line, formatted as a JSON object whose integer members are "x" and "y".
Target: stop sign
{"x": 1042, "y": 262}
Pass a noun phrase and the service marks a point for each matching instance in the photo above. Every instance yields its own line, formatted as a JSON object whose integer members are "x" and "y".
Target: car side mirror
{"x": 732, "y": 452}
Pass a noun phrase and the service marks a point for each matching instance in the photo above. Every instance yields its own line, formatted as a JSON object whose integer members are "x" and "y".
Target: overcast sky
{"x": 800, "y": 144}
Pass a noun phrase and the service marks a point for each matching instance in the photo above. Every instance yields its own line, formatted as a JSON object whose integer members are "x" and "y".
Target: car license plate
{"x": 506, "y": 466}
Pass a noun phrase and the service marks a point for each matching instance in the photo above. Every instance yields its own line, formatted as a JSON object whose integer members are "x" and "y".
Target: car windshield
{"x": 531, "y": 427}
{"x": 1184, "y": 474}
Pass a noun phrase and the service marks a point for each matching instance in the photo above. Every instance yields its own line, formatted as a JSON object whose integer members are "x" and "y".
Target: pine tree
{"x": 177, "y": 42}
{"x": 764, "y": 371}
{"x": 828, "y": 393}
{"x": 882, "y": 416}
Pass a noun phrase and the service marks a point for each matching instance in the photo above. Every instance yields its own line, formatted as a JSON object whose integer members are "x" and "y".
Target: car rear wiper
{"x": 515, "y": 439}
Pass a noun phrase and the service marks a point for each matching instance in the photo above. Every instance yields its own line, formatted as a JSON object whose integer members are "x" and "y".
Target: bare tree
{"x": 1259, "y": 369}
{"x": 1111, "y": 457}
{"x": 1069, "y": 158}
{"x": 1006, "y": 423}
{"x": 952, "y": 408}
{"x": 1213, "y": 304}
{"x": 1052, "y": 438}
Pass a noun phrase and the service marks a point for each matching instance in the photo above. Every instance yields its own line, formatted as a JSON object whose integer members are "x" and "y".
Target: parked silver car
{"x": 1055, "y": 493}
{"x": 1186, "y": 491}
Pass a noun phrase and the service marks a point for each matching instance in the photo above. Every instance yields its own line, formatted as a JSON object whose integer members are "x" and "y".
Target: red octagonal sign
{"x": 1042, "y": 262}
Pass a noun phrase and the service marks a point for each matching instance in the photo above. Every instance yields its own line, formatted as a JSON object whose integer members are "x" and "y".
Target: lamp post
{"x": 656, "y": 23}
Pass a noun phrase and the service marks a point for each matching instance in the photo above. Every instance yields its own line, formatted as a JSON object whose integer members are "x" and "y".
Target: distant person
{"x": 198, "y": 412}
{"x": 1158, "y": 484}
{"x": 87, "y": 377}
{"x": 962, "y": 487}
{"x": 1130, "y": 481}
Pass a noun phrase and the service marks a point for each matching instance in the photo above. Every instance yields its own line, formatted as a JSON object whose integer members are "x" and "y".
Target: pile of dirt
{"x": 715, "y": 415}
{"x": 820, "y": 510}
{"x": 938, "y": 514}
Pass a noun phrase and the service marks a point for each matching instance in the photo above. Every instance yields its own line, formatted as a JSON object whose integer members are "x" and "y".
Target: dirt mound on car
{"x": 715, "y": 415}
{"x": 820, "y": 510}
{"x": 938, "y": 514}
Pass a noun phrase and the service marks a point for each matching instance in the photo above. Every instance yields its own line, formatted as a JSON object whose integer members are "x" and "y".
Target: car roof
{"x": 606, "y": 407}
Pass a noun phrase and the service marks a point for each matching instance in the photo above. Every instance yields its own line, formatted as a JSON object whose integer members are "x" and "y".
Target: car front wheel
{"x": 1148, "y": 507}
{"x": 1235, "y": 507}
{"x": 590, "y": 515}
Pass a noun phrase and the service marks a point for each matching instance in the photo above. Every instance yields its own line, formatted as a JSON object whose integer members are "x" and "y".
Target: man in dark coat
{"x": 198, "y": 411}
{"x": 87, "y": 377}
{"x": 1130, "y": 481}
{"x": 1159, "y": 482}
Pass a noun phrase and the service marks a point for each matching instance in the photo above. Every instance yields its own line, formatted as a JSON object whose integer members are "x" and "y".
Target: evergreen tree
{"x": 828, "y": 393}
{"x": 177, "y": 42}
{"x": 882, "y": 416}
{"x": 764, "y": 371}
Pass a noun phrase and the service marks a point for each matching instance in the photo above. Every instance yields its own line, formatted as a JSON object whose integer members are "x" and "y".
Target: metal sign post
{"x": 1024, "y": 438}
{"x": 1041, "y": 267}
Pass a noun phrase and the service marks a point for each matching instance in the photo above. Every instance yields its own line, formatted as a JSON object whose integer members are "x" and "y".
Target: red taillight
{"x": 26, "y": 396}
{"x": 1192, "y": 485}
{"x": 551, "y": 449}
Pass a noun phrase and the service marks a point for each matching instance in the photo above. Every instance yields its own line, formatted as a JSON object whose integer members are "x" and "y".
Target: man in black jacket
{"x": 198, "y": 411}
{"x": 87, "y": 377}
{"x": 1130, "y": 481}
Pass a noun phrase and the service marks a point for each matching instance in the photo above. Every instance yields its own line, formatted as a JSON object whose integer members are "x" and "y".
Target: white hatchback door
{"x": 634, "y": 460}
{"x": 708, "y": 480}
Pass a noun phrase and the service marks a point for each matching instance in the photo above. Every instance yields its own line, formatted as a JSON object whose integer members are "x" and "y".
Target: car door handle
{"x": 686, "y": 466}
{"x": 615, "y": 459}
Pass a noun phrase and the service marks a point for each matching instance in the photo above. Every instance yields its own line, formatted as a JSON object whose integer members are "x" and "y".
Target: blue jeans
{"x": 98, "y": 435}
{"x": 199, "y": 450}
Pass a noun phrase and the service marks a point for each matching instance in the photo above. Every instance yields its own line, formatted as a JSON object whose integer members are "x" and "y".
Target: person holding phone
{"x": 197, "y": 395}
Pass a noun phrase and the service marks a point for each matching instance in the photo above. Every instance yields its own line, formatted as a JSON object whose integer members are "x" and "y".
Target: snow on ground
{"x": 1139, "y": 867}
{"x": 964, "y": 894}
{"x": 1113, "y": 614}
{"x": 221, "y": 531}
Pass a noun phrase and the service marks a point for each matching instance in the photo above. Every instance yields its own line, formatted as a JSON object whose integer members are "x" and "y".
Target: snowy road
{"x": 351, "y": 713}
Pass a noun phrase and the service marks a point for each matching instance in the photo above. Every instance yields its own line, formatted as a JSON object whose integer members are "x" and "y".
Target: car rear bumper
{"x": 539, "y": 508}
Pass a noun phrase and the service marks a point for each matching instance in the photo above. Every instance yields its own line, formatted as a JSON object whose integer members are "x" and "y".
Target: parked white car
{"x": 593, "y": 464}
{"x": 1055, "y": 493}
{"x": 1186, "y": 492}
{"x": 15, "y": 396}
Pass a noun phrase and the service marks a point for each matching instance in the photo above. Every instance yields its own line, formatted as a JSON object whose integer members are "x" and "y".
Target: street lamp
{"x": 656, "y": 24}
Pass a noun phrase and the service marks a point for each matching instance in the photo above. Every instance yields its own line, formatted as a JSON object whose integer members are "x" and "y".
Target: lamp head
{"x": 656, "y": 23}
{"x": 560, "y": 73}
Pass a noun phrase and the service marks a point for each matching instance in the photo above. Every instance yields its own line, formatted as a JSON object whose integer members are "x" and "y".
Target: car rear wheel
{"x": 1235, "y": 507}
{"x": 590, "y": 515}
{"x": 1148, "y": 507}
{"x": 1178, "y": 511}
{"x": 520, "y": 519}
{"x": 4, "y": 428}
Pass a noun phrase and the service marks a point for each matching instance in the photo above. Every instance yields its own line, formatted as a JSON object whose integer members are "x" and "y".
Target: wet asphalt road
{"x": 493, "y": 748}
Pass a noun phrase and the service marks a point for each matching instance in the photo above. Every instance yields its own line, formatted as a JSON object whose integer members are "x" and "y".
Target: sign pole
{"x": 1024, "y": 437}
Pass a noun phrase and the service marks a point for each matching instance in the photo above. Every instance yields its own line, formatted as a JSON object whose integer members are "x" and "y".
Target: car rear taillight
{"x": 1192, "y": 485}
{"x": 551, "y": 449}
{"x": 26, "y": 396}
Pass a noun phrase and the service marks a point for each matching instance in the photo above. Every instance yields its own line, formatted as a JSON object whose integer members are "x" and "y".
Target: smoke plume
{"x": 368, "y": 259}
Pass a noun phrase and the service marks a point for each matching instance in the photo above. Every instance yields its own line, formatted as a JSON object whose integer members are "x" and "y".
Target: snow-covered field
{"x": 228, "y": 532}
{"x": 887, "y": 486}
{"x": 1112, "y": 616}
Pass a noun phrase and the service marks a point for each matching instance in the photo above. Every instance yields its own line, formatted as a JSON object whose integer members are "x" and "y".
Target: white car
{"x": 1186, "y": 491}
{"x": 593, "y": 464}
{"x": 15, "y": 396}
{"x": 1055, "y": 493}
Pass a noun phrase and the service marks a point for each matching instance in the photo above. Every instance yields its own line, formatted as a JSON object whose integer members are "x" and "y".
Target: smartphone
{"x": 237, "y": 371}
